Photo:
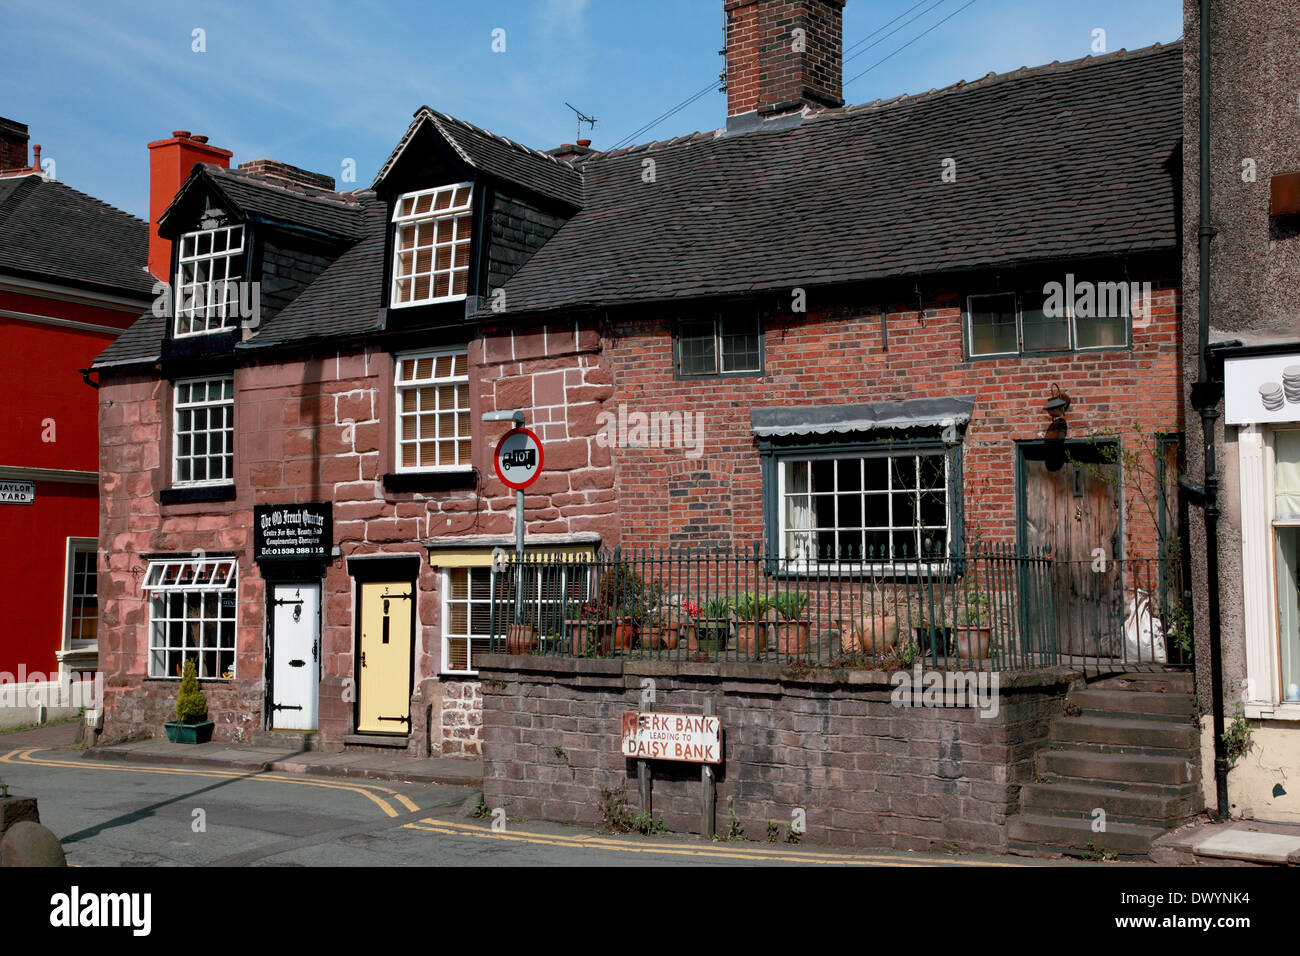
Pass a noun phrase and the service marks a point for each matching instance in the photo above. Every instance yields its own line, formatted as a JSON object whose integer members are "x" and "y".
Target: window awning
{"x": 841, "y": 419}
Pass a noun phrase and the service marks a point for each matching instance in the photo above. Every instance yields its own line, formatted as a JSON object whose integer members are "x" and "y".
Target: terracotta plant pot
{"x": 521, "y": 638}
{"x": 598, "y": 635}
{"x": 625, "y": 634}
{"x": 792, "y": 638}
{"x": 871, "y": 635}
{"x": 661, "y": 635}
{"x": 972, "y": 643}
{"x": 751, "y": 637}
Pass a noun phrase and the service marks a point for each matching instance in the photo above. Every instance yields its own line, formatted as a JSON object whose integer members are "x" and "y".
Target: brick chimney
{"x": 287, "y": 175}
{"x": 170, "y": 163}
{"x": 773, "y": 68}
{"x": 13, "y": 145}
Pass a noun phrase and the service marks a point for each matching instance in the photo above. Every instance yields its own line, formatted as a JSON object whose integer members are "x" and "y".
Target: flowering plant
{"x": 691, "y": 608}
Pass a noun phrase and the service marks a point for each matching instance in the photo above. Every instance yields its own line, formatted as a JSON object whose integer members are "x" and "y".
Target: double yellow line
{"x": 380, "y": 796}
{"x": 740, "y": 854}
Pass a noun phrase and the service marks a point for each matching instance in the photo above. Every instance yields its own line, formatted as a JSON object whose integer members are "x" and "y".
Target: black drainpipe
{"x": 1206, "y": 394}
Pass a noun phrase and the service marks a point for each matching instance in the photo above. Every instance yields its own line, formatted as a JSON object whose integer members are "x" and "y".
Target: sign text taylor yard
{"x": 696, "y": 738}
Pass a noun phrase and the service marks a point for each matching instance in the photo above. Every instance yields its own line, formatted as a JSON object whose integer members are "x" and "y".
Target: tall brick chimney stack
{"x": 170, "y": 163}
{"x": 13, "y": 145}
{"x": 784, "y": 55}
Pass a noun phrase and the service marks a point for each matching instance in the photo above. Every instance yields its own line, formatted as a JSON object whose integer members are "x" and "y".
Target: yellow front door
{"x": 384, "y": 692}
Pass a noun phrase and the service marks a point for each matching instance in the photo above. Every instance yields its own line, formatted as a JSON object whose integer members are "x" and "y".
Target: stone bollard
{"x": 16, "y": 809}
{"x": 30, "y": 844}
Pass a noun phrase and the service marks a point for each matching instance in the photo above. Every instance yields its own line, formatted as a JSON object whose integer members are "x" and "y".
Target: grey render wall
{"x": 1255, "y": 292}
{"x": 866, "y": 772}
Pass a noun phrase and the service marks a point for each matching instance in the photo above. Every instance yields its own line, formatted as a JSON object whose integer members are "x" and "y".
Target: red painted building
{"x": 72, "y": 278}
{"x": 814, "y": 283}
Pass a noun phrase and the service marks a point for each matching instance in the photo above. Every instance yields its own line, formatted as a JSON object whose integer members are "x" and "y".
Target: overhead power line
{"x": 909, "y": 42}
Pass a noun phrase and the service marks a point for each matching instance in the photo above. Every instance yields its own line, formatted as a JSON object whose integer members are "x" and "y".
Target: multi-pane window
{"x": 431, "y": 245}
{"x": 433, "y": 416}
{"x": 719, "y": 346}
{"x": 864, "y": 507}
{"x": 211, "y": 267}
{"x": 1012, "y": 323}
{"x": 83, "y": 601}
{"x": 550, "y": 592}
{"x": 192, "y": 616}
{"x": 1286, "y": 535}
{"x": 203, "y": 435}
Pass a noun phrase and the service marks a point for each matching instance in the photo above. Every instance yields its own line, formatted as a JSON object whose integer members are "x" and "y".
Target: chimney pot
{"x": 199, "y": 139}
{"x": 181, "y": 133}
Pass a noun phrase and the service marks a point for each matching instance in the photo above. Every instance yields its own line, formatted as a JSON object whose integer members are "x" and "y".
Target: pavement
{"x": 447, "y": 771}
{"x": 1231, "y": 843}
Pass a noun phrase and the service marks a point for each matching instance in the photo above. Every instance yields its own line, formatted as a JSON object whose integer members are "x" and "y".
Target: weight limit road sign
{"x": 518, "y": 458}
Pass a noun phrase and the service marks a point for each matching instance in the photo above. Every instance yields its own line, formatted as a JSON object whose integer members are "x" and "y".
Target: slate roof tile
{"x": 53, "y": 231}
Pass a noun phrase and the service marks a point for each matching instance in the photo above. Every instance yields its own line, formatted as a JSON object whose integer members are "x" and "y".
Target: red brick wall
{"x": 666, "y": 498}
{"x": 764, "y": 69}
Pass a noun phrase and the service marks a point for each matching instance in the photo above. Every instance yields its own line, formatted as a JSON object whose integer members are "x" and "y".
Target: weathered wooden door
{"x": 1072, "y": 507}
{"x": 295, "y": 639}
{"x": 384, "y": 685}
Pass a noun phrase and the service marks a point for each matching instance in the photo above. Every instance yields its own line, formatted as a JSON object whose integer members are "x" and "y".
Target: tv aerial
{"x": 582, "y": 118}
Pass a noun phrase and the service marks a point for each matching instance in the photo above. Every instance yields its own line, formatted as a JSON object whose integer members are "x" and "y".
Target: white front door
{"x": 295, "y": 637}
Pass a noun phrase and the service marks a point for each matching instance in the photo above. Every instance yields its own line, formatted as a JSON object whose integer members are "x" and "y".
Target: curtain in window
{"x": 1286, "y": 474}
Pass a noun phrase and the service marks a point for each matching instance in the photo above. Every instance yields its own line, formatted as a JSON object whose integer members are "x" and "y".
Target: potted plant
{"x": 751, "y": 614}
{"x": 792, "y": 628}
{"x": 712, "y": 623}
{"x": 191, "y": 725}
{"x": 971, "y": 630}
{"x": 875, "y": 631}
{"x": 622, "y": 591}
{"x": 521, "y": 638}
{"x": 591, "y": 633}
{"x": 656, "y": 617}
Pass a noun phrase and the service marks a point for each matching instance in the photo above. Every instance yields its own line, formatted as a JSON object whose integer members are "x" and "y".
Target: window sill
{"x": 431, "y": 480}
{"x": 182, "y": 496}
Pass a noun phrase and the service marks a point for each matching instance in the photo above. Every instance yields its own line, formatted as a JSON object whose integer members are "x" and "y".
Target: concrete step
{"x": 1134, "y": 703}
{"x": 1087, "y": 765}
{"x": 1144, "y": 803}
{"x": 1158, "y": 682}
{"x": 1036, "y": 833}
{"x": 1124, "y": 734}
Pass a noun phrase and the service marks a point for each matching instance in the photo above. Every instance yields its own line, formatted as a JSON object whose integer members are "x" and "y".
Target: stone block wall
{"x": 866, "y": 773}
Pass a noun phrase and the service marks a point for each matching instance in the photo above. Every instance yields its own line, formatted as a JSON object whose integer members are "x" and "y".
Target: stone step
{"x": 1124, "y": 734}
{"x": 1134, "y": 703}
{"x": 1036, "y": 833}
{"x": 1159, "y": 682}
{"x": 1087, "y": 765}
{"x": 1144, "y": 803}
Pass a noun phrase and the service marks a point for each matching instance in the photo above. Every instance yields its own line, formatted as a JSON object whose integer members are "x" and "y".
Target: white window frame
{"x": 209, "y": 298}
{"x": 228, "y": 434}
{"x": 1262, "y": 695}
{"x": 462, "y": 384}
{"x": 78, "y": 546}
{"x": 187, "y": 578}
{"x": 565, "y": 570}
{"x": 796, "y": 563}
{"x": 414, "y": 220}
{"x": 1072, "y": 322}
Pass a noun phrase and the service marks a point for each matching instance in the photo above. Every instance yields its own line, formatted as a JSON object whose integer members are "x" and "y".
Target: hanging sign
{"x": 17, "y": 492}
{"x": 518, "y": 458}
{"x": 300, "y": 532}
{"x": 692, "y": 738}
{"x": 1261, "y": 389}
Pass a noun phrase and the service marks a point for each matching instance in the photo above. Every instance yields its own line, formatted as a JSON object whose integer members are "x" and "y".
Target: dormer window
{"x": 210, "y": 267}
{"x": 431, "y": 246}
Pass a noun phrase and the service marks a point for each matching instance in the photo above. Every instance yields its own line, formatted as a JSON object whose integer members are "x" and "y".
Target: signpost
{"x": 518, "y": 463}
{"x": 685, "y": 738}
{"x": 17, "y": 492}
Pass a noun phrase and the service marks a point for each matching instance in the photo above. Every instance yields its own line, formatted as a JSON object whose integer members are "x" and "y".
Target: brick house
{"x": 869, "y": 287}
{"x": 71, "y": 279}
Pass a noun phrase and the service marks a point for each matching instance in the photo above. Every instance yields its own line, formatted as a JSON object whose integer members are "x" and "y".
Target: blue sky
{"x": 316, "y": 83}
